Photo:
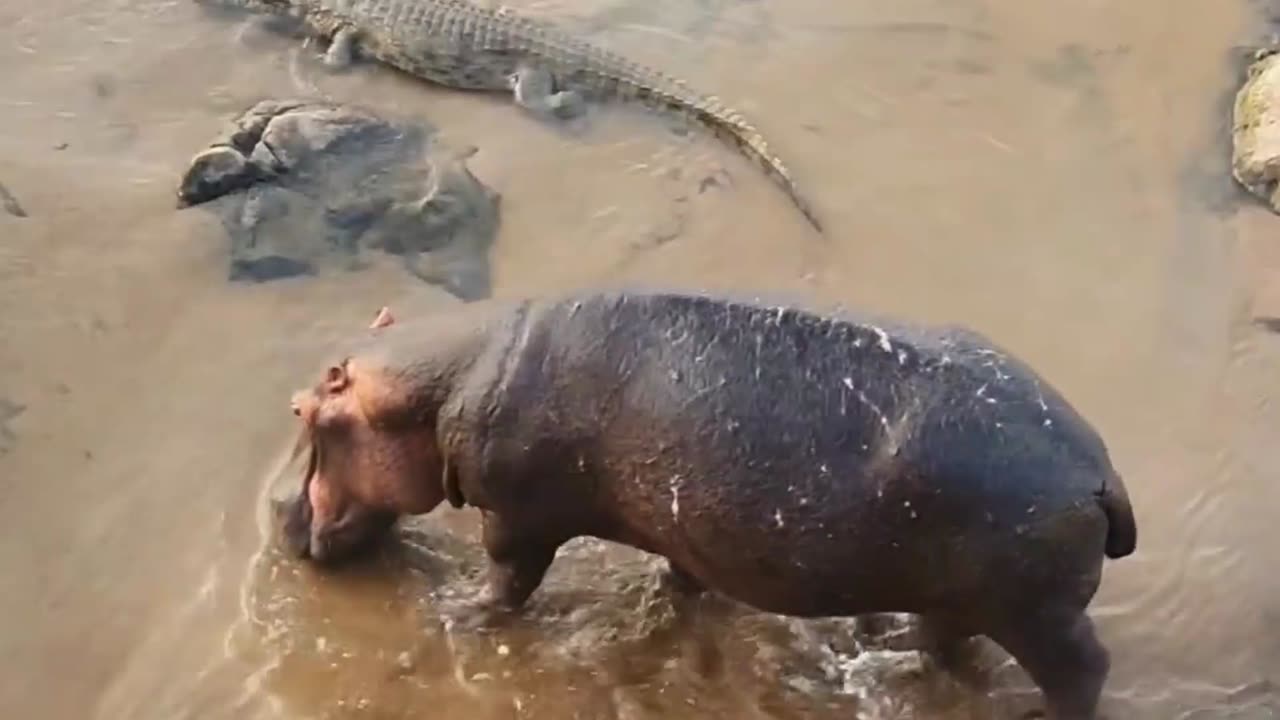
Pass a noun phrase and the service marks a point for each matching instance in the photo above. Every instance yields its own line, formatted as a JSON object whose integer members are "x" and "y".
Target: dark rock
{"x": 10, "y": 203}
{"x": 8, "y": 411}
{"x": 306, "y": 187}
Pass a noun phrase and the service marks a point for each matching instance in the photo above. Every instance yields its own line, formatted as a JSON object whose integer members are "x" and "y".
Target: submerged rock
{"x": 303, "y": 186}
{"x": 1255, "y": 129}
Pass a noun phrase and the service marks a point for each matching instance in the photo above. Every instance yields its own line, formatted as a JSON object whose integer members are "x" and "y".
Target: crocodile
{"x": 460, "y": 45}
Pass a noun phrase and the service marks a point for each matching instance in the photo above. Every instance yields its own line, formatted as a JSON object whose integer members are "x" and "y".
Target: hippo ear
{"x": 383, "y": 319}
{"x": 337, "y": 378}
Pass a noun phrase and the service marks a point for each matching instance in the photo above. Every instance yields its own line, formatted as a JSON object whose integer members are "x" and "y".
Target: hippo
{"x": 802, "y": 464}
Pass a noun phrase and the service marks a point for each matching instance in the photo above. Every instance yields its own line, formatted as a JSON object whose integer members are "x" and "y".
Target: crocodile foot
{"x": 342, "y": 49}
{"x": 534, "y": 90}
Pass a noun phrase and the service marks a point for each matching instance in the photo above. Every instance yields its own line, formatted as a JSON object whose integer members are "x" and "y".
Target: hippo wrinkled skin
{"x": 802, "y": 464}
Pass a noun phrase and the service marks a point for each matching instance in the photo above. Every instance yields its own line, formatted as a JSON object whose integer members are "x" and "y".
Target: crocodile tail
{"x": 728, "y": 123}
{"x": 1122, "y": 529}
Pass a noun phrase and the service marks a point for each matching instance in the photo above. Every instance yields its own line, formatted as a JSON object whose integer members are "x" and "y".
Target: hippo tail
{"x": 1122, "y": 529}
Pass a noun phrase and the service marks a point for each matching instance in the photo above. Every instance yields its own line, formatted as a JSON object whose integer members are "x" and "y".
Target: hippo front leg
{"x": 518, "y": 560}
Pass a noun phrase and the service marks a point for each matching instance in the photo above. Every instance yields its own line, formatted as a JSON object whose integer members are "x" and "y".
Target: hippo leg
{"x": 681, "y": 582}
{"x": 951, "y": 646}
{"x": 1063, "y": 656}
{"x": 518, "y": 560}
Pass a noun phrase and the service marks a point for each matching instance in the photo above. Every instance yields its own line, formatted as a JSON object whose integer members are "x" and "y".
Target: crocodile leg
{"x": 534, "y": 90}
{"x": 341, "y": 48}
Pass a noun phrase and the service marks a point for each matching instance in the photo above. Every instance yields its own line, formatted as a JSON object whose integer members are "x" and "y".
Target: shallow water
{"x": 1055, "y": 179}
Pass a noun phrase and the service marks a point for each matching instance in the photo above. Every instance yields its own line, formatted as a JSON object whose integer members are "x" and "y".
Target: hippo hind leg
{"x": 518, "y": 560}
{"x": 952, "y": 645}
{"x": 1062, "y": 654}
{"x": 681, "y": 581}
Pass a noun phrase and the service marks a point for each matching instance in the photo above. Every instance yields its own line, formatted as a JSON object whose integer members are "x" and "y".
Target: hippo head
{"x": 373, "y": 457}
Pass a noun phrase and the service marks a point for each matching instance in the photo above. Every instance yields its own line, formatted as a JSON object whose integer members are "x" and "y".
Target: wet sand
{"x": 1057, "y": 180}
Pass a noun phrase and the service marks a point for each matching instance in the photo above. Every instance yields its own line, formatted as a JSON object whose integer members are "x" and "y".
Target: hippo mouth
{"x": 296, "y": 513}
{"x": 302, "y": 538}
{"x": 349, "y": 536}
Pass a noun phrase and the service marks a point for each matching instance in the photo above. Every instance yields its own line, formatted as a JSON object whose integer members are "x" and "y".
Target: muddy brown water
{"x": 1054, "y": 177}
